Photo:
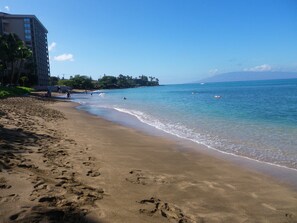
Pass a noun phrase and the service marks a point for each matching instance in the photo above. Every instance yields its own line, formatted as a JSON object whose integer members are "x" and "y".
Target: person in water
{"x": 68, "y": 94}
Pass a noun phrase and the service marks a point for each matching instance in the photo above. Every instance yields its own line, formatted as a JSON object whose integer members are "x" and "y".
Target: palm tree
{"x": 24, "y": 79}
{"x": 13, "y": 45}
{"x": 3, "y": 47}
{"x": 3, "y": 57}
{"x": 23, "y": 54}
{"x": 14, "y": 50}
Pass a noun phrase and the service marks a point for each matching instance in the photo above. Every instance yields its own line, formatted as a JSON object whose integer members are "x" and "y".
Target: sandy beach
{"x": 59, "y": 164}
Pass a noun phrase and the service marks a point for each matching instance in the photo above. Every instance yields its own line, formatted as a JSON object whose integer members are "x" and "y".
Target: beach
{"x": 59, "y": 164}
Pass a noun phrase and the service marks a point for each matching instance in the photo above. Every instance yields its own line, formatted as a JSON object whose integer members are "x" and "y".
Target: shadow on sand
{"x": 52, "y": 215}
{"x": 13, "y": 143}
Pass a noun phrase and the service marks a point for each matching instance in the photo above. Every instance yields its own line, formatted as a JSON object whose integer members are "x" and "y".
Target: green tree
{"x": 23, "y": 54}
{"x": 13, "y": 46}
{"x": 24, "y": 80}
{"x": 78, "y": 82}
{"x": 13, "y": 53}
{"x": 110, "y": 82}
{"x": 3, "y": 57}
{"x": 122, "y": 81}
{"x": 54, "y": 80}
{"x": 107, "y": 82}
{"x": 82, "y": 82}
{"x": 30, "y": 68}
{"x": 65, "y": 82}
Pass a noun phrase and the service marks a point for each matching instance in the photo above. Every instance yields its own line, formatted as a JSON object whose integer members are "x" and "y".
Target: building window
{"x": 26, "y": 20}
{"x": 28, "y": 37}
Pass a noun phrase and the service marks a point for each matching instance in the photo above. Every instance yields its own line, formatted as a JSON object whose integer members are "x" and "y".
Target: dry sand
{"x": 58, "y": 164}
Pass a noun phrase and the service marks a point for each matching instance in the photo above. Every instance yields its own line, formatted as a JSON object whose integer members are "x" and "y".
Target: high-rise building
{"x": 30, "y": 30}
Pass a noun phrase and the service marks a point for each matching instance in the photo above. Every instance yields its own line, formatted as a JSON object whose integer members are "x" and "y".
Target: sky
{"x": 177, "y": 41}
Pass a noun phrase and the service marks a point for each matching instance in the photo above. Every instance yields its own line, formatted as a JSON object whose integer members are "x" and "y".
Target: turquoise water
{"x": 255, "y": 119}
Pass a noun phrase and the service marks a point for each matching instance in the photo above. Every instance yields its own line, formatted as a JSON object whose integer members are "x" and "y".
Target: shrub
{"x": 14, "y": 91}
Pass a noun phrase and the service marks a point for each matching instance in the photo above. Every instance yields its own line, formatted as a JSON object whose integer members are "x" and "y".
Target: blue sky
{"x": 177, "y": 41}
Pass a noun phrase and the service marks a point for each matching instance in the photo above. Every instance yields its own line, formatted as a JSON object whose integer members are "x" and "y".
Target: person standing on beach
{"x": 49, "y": 93}
{"x": 68, "y": 94}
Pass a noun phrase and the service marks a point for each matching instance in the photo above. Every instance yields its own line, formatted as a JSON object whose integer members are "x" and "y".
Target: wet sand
{"x": 58, "y": 164}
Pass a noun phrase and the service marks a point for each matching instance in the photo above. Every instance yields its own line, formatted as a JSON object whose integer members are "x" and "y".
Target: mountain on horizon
{"x": 250, "y": 76}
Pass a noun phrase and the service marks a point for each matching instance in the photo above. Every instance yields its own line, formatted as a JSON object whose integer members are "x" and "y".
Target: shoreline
{"x": 76, "y": 166}
{"x": 281, "y": 173}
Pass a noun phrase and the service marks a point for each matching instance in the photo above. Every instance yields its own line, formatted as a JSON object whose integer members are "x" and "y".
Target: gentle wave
{"x": 182, "y": 132}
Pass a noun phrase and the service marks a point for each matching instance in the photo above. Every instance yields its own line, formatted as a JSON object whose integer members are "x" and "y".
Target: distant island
{"x": 250, "y": 76}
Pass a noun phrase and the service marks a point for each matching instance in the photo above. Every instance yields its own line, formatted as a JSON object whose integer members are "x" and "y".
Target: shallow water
{"x": 255, "y": 119}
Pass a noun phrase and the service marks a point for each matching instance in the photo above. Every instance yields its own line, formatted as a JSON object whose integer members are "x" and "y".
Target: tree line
{"x": 111, "y": 82}
{"x": 106, "y": 82}
{"x": 16, "y": 62}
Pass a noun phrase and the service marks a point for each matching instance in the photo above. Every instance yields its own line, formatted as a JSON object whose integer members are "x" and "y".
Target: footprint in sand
{"x": 143, "y": 177}
{"x": 154, "y": 206}
{"x": 93, "y": 173}
{"x": 40, "y": 185}
{"x": 137, "y": 177}
{"x": 91, "y": 158}
{"x": 11, "y": 197}
{"x": 49, "y": 199}
{"x": 63, "y": 180}
{"x": 3, "y": 183}
{"x": 87, "y": 163}
{"x": 292, "y": 218}
{"x": 87, "y": 194}
{"x": 16, "y": 216}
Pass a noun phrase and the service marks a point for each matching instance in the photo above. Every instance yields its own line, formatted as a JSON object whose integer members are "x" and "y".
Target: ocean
{"x": 252, "y": 119}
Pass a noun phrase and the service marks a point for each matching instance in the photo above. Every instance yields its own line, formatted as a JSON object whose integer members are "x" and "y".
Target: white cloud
{"x": 64, "y": 57}
{"x": 52, "y": 46}
{"x": 7, "y": 8}
{"x": 263, "y": 67}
